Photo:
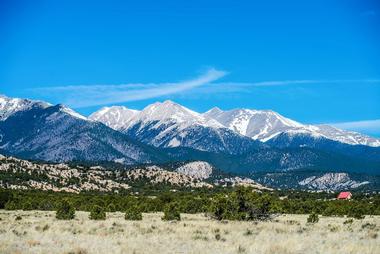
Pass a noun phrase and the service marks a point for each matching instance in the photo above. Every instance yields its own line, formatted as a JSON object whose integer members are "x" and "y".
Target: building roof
{"x": 344, "y": 195}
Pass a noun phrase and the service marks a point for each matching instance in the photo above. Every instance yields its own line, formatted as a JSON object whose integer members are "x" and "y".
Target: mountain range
{"x": 241, "y": 141}
{"x": 38, "y": 130}
{"x": 262, "y": 125}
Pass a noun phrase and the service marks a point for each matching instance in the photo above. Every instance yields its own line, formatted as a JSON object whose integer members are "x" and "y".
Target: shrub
{"x": 329, "y": 211}
{"x": 27, "y": 206}
{"x": 369, "y": 226}
{"x": 241, "y": 249}
{"x": 241, "y": 204}
{"x": 349, "y": 221}
{"x": 257, "y": 208}
{"x": 10, "y": 205}
{"x": 171, "y": 212}
{"x": 111, "y": 207}
{"x": 313, "y": 218}
{"x": 356, "y": 212}
{"x": 97, "y": 213}
{"x": 5, "y": 196}
{"x": 224, "y": 208}
{"x": 65, "y": 211}
{"x": 133, "y": 213}
{"x": 46, "y": 227}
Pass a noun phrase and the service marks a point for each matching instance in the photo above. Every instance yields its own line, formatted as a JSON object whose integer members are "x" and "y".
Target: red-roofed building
{"x": 345, "y": 195}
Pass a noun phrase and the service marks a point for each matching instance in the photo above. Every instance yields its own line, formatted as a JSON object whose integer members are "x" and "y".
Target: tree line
{"x": 239, "y": 203}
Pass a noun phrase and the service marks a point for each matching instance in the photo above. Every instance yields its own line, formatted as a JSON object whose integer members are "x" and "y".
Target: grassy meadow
{"x": 41, "y": 232}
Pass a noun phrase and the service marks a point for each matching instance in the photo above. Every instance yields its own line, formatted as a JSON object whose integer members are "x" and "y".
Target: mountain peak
{"x": 169, "y": 102}
{"x": 214, "y": 110}
{"x": 115, "y": 117}
{"x": 168, "y": 110}
{"x": 67, "y": 110}
{"x": 257, "y": 124}
{"x": 105, "y": 110}
{"x": 9, "y": 106}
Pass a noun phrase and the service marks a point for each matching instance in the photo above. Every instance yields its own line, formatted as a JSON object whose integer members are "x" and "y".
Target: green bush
{"x": 111, "y": 207}
{"x": 5, "y": 196}
{"x": 313, "y": 218}
{"x": 27, "y": 206}
{"x": 221, "y": 203}
{"x": 11, "y": 205}
{"x": 224, "y": 208}
{"x": 97, "y": 213}
{"x": 65, "y": 211}
{"x": 257, "y": 208}
{"x": 171, "y": 212}
{"x": 241, "y": 204}
{"x": 133, "y": 213}
{"x": 349, "y": 221}
{"x": 356, "y": 212}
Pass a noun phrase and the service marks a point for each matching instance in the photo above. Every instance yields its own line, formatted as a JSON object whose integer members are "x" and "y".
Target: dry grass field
{"x": 40, "y": 232}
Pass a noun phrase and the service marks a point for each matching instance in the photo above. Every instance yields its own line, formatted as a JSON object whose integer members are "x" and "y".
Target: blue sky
{"x": 312, "y": 61}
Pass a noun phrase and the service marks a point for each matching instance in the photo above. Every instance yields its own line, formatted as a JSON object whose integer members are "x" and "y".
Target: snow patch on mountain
{"x": 9, "y": 106}
{"x": 265, "y": 125}
{"x": 331, "y": 181}
{"x": 174, "y": 143}
{"x": 168, "y": 124}
{"x": 72, "y": 112}
{"x": 257, "y": 124}
{"x": 115, "y": 117}
{"x": 170, "y": 112}
{"x": 349, "y": 137}
{"x": 59, "y": 134}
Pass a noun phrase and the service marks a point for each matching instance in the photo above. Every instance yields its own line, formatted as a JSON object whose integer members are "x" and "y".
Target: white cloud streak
{"x": 367, "y": 125}
{"x": 247, "y": 87}
{"x": 80, "y": 96}
{"x": 298, "y": 82}
{"x": 85, "y": 96}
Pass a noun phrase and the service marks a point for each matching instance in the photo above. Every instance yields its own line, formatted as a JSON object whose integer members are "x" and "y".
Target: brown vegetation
{"x": 41, "y": 232}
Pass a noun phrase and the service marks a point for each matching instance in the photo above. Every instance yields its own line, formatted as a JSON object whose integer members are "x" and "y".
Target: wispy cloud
{"x": 246, "y": 87}
{"x": 367, "y": 125}
{"x": 85, "y": 96}
{"x": 298, "y": 82}
{"x": 80, "y": 96}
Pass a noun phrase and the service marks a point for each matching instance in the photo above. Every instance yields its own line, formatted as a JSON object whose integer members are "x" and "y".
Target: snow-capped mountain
{"x": 167, "y": 131}
{"x": 9, "y": 106}
{"x": 62, "y": 108}
{"x": 170, "y": 112}
{"x": 348, "y": 137}
{"x": 265, "y": 125}
{"x": 169, "y": 124}
{"x": 257, "y": 124}
{"x": 115, "y": 117}
{"x": 57, "y": 133}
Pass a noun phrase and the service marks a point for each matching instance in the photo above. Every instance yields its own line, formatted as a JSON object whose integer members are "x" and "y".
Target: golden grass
{"x": 40, "y": 232}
